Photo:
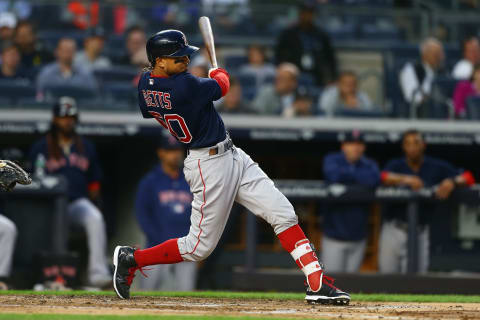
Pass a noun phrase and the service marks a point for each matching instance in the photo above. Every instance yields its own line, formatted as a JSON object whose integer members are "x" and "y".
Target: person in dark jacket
{"x": 414, "y": 171}
{"x": 163, "y": 208}
{"x": 308, "y": 47}
{"x": 345, "y": 225}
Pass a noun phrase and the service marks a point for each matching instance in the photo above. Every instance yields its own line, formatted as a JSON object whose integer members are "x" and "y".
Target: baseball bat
{"x": 207, "y": 34}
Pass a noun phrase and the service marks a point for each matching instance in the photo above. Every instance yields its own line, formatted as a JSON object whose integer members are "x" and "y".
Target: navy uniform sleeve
{"x": 368, "y": 174}
{"x": 335, "y": 172}
{"x": 204, "y": 90}
{"x": 144, "y": 209}
{"x": 141, "y": 99}
{"x": 446, "y": 170}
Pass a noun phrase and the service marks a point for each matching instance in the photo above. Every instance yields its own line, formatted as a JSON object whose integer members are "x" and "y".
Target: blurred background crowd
{"x": 366, "y": 60}
{"x": 282, "y": 55}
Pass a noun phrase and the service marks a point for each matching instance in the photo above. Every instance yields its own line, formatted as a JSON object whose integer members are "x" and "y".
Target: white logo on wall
{"x": 43, "y": 127}
{"x": 337, "y": 189}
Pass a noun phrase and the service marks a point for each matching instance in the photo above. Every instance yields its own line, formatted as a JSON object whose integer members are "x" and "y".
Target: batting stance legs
{"x": 218, "y": 178}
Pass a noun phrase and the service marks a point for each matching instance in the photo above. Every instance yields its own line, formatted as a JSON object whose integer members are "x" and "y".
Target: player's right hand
{"x": 414, "y": 182}
{"x": 214, "y": 71}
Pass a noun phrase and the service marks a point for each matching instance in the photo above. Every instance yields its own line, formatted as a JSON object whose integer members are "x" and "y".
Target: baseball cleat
{"x": 125, "y": 267}
{"x": 328, "y": 294}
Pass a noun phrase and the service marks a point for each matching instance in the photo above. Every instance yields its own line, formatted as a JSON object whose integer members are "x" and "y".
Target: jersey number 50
{"x": 166, "y": 121}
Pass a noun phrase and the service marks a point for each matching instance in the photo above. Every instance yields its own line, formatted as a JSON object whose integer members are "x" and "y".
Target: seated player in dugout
{"x": 62, "y": 151}
{"x": 163, "y": 208}
{"x": 218, "y": 172}
{"x": 416, "y": 171}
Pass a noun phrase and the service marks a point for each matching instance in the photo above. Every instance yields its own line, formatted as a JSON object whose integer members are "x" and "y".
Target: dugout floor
{"x": 109, "y": 305}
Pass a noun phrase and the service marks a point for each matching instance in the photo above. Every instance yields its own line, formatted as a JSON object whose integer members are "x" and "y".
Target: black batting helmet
{"x": 168, "y": 43}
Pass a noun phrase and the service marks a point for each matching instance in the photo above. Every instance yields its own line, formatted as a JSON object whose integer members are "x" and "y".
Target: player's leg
{"x": 84, "y": 213}
{"x": 185, "y": 275}
{"x": 8, "y": 235}
{"x": 258, "y": 194}
{"x": 334, "y": 254}
{"x": 391, "y": 244}
{"x": 214, "y": 182}
{"x": 354, "y": 256}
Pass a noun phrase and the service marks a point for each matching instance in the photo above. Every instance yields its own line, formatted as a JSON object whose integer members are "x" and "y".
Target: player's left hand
{"x": 444, "y": 189}
{"x": 11, "y": 174}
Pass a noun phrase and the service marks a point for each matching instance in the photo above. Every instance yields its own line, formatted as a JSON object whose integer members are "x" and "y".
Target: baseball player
{"x": 64, "y": 152}
{"x": 218, "y": 172}
{"x": 163, "y": 212}
{"x": 10, "y": 174}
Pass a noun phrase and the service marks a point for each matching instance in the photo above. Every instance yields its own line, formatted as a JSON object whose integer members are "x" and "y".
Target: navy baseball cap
{"x": 353, "y": 136}
{"x": 65, "y": 107}
{"x": 169, "y": 143}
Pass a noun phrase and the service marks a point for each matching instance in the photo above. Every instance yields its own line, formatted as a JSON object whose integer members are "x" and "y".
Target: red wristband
{"x": 383, "y": 176}
{"x": 469, "y": 179}
{"x": 221, "y": 76}
{"x": 94, "y": 186}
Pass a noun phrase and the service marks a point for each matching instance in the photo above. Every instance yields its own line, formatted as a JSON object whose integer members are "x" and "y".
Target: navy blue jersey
{"x": 183, "y": 104}
{"x": 163, "y": 206}
{"x": 348, "y": 222}
{"x": 80, "y": 169}
{"x": 432, "y": 172}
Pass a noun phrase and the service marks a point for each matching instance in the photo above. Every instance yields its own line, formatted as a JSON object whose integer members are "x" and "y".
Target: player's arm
{"x": 389, "y": 177}
{"x": 369, "y": 175}
{"x": 221, "y": 76}
{"x": 452, "y": 180}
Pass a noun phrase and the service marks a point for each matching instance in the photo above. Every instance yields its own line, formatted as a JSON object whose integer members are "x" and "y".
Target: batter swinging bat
{"x": 207, "y": 34}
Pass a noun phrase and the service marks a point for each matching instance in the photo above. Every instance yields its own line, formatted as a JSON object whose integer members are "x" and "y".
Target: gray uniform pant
{"x": 216, "y": 182}
{"x": 392, "y": 257}
{"x": 83, "y": 213}
{"x": 342, "y": 256}
{"x": 170, "y": 277}
{"x": 8, "y": 235}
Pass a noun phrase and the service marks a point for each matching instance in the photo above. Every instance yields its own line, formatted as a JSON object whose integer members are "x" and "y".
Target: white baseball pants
{"x": 392, "y": 256}
{"x": 342, "y": 256}
{"x": 216, "y": 182}
{"x": 8, "y": 235}
{"x": 82, "y": 212}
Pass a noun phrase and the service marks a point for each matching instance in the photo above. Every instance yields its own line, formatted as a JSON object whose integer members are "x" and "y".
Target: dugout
{"x": 285, "y": 149}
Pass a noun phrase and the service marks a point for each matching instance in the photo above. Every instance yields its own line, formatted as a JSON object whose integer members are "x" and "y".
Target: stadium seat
{"x": 234, "y": 62}
{"x": 32, "y": 103}
{"x": 120, "y": 95}
{"x": 13, "y": 90}
{"x": 306, "y": 80}
{"x": 446, "y": 85}
{"x": 81, "y": 95}
{"x": 116, "y": 74}
{"x": 473, "y": 108}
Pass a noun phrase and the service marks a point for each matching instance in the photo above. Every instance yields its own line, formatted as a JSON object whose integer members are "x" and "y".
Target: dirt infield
{"x": 109, "y": 305}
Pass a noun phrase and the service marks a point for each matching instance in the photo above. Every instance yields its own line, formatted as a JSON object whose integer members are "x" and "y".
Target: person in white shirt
{"x": 416, "y": 78}
{"x": 91, "y": 57}
{"x": 257, "y": 65}
{"x": 471, "y": 56}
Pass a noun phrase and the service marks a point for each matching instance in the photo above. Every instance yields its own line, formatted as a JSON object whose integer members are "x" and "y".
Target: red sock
{"x": 164, "y": 253}
{"x": 295, "y": 242}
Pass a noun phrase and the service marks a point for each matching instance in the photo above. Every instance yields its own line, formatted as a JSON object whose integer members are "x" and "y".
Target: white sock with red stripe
{"x": 296, "y": 243}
